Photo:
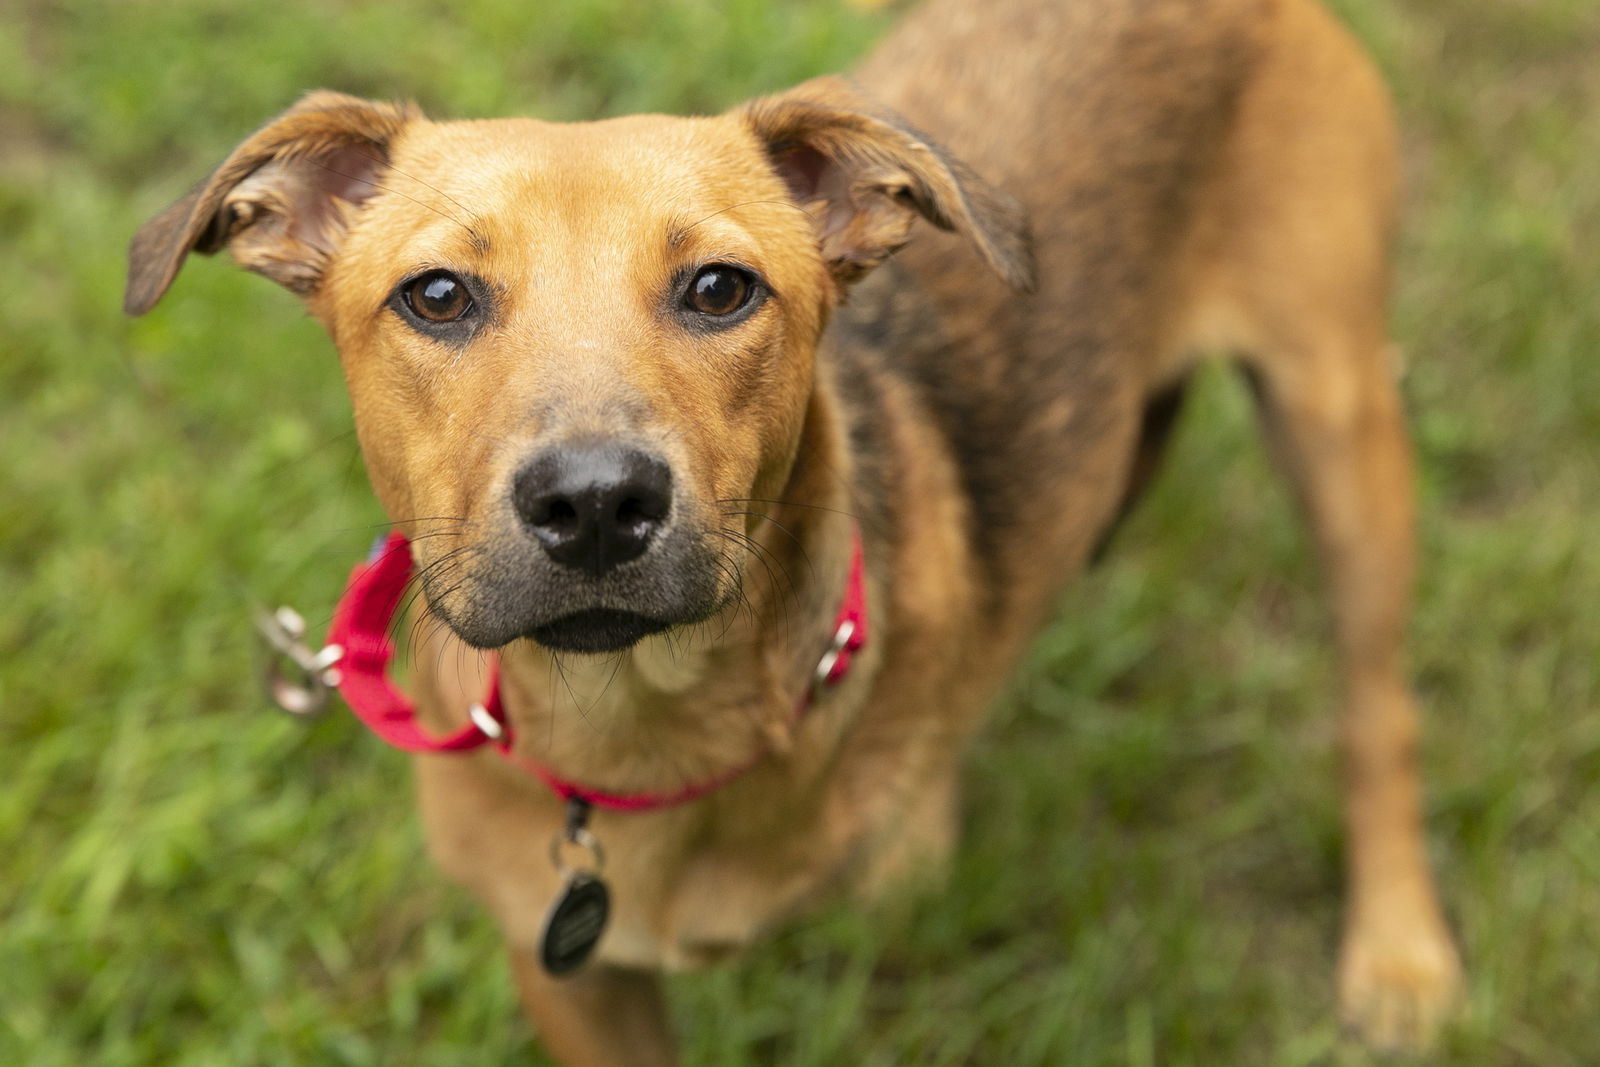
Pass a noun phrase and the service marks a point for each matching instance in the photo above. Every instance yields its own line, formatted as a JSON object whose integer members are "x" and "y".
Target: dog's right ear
{"x": 280, "y": 202}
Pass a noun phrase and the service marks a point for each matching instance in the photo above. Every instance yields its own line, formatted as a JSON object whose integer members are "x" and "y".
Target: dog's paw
{"x": 1398, "y": 981}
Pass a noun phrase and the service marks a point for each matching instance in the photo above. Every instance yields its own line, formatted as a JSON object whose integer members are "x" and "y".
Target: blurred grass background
{"x": 1151, "y": 869}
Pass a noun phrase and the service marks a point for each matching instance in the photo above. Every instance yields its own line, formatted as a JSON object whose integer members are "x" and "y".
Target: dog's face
{"x": 579, "y": 355}
{"x": 578, "y": 367}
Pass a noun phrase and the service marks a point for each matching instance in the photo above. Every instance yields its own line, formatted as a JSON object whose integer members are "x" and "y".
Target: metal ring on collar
{"x": 841, "y": 638}
{"x": 579, "y": 838}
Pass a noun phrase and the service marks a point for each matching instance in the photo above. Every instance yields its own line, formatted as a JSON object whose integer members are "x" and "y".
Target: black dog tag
{"x": 575, "y": 923}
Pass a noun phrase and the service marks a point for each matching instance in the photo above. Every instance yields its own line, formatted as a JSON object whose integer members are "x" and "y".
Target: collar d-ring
{"x": 304, "y": 690}
{"x": 830, "y": 658}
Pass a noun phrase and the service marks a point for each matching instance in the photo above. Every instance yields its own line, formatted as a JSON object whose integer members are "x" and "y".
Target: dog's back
{"x": 1118, "y": 123}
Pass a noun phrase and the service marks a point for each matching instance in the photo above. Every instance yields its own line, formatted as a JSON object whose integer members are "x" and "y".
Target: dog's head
{"x": 577, "y": 353}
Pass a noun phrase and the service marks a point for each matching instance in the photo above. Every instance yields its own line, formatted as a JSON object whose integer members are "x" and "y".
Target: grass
{"x": 1151, "y": 865}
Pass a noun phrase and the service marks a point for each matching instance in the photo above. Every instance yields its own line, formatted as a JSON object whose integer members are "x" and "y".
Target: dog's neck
{"x": 696, "y": 702}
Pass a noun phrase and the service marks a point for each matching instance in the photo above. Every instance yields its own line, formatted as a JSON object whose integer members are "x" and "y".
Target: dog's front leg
{"x": 599, "y": 1017}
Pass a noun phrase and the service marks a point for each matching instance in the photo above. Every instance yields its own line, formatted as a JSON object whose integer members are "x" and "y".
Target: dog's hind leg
{"x": 1339, "y": 434}
{"x": 1296, "y": 281}
{"x": 599, "y": 1017}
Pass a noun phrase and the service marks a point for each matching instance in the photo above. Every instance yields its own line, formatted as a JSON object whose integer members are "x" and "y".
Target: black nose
{"x": 593, "y": 506}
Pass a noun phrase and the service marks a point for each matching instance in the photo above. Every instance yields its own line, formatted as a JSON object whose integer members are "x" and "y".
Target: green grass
{"x": 1150, "y": 872}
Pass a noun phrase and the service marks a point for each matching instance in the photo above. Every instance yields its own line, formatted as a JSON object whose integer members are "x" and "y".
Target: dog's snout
{"x": 593, "y": 506}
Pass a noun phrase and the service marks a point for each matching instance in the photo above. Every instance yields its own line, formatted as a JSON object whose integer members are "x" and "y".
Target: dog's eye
{"x": 719, "y": 290}
{"x": 438, "y": 296}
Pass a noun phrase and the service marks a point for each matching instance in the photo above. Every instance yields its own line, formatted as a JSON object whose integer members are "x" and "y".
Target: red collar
{"x": 360, "y": 634}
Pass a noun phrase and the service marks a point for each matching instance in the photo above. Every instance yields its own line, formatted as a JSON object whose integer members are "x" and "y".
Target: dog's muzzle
{"x": 594, "y": 552}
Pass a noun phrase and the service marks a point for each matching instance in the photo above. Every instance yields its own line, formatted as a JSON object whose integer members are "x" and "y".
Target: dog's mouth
{"x": 511, "y": 591}
{"x": 597, "y": 630}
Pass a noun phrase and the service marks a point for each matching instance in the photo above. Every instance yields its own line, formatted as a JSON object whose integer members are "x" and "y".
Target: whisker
{"x": 786, "y": 504}
{"x": 762, "y": 553}
{"x": 416, "y": 518}
{"x": 742, "y": 601}
{"x": 396, "y": 170}
{"x": 379, "y": 186}
{"x": 572, "y": 694}
{"x": 417, "y": 583}
{"x": 680, "y": 234}
{"x": 801, "y": 548}
{"x": 474, "y": 431}
{"x": 784, "y": 591}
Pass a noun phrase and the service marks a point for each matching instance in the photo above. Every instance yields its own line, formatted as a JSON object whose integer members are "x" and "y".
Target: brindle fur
{"x": 1201, "y": 177}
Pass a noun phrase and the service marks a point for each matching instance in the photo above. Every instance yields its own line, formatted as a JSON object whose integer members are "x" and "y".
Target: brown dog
{"x": 605, "y": 377}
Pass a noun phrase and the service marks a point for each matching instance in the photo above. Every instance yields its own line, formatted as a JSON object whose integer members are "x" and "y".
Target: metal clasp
{"x": 825, "y": 665}
{"x": 575, "y": 835}
{"x": 302, "y": 689}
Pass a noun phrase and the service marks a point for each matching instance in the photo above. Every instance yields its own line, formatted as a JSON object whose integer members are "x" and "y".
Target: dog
{"x": 651, "y": 401}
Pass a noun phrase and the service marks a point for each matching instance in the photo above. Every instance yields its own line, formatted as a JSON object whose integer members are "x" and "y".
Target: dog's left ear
{"x": 864, "y": 175}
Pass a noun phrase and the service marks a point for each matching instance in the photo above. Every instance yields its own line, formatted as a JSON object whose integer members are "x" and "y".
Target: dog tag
{"x": 575, "y": 923}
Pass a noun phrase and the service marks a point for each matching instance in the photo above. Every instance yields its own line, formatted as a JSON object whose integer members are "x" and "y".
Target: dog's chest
{"x": 718, "y": 903}
{"x": 694, "y": 888}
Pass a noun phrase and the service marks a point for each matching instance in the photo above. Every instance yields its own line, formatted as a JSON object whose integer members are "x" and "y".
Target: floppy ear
{"x": 864, "y": 175}
{"x": 280, "y": 201}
